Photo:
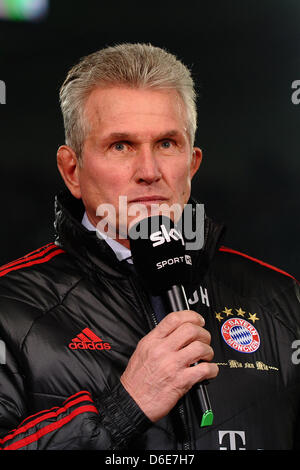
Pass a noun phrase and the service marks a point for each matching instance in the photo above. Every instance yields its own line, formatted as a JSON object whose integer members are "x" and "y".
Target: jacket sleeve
{"x": 82, "y": 422}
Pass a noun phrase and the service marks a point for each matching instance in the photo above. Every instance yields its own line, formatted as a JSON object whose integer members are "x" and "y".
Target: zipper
{"x": 145, "y": 303}
{"x": 186, "y": 445}
{"x": 181, "y": 411}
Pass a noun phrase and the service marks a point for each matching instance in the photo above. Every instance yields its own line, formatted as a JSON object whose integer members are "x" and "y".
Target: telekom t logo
{"x": 232, "y": 439}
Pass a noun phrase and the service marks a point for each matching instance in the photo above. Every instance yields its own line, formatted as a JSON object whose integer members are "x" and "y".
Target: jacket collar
{"x": 95, "y": 255}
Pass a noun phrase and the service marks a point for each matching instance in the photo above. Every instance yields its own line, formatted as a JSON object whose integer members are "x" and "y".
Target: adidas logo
{"x": 88, "y": 340}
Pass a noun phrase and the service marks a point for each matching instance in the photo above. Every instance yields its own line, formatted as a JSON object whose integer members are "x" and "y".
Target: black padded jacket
{"x": 71, "y": 315}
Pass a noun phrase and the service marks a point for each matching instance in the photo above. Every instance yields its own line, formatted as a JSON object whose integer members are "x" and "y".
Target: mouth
{"x": 148, "y": 199}
{"x": 157, "y": 205}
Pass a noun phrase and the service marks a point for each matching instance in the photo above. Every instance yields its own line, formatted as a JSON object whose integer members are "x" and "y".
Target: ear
{"x": 196, "y": 161}
{"x": 68, "y": 166}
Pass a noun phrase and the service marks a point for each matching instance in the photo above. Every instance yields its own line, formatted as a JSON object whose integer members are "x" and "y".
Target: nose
{"x": 147, "y": 166}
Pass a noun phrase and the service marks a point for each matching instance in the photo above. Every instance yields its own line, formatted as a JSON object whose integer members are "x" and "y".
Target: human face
{"x": 137, "y": 146}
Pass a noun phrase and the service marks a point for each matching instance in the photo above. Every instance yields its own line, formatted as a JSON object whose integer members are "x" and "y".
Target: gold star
{"x": 227, "y": 311}
{"x": 240, "y": 312}
{"x": 253, "y": 317}
{"x": 218, "y": 316}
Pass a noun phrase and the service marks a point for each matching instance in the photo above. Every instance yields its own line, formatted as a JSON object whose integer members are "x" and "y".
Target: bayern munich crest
{"x": 240, "y": 335}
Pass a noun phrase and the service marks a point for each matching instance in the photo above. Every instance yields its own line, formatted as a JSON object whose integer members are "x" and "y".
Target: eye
{"x": 119, "y": 146}
{"x": 166, "y": 144}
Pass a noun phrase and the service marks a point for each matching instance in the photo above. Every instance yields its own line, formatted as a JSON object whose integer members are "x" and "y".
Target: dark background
{"x": 244, "y": 55}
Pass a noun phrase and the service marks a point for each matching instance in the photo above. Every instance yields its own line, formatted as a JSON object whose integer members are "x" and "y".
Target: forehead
{"x": 121, "y": 109}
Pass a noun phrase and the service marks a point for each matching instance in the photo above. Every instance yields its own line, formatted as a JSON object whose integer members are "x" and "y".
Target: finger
{"x": 194, "y": 352}
{"x": 200, "y": 372}
{"x": 185, "y": 334}
{"x": 174, "y": 319}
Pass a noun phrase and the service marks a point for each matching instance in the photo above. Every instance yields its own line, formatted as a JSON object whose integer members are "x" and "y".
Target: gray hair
{"x": 131, "y": 65}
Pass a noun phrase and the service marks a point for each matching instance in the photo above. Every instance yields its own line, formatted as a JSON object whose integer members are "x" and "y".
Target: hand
{"x": 158, "y": 373}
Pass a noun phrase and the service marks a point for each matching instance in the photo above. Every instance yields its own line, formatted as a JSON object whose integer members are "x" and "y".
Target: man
{"x": 89, "y": 363}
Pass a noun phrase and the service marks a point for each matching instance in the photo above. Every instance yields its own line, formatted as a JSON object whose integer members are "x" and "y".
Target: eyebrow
{"x": 129, "y": 136}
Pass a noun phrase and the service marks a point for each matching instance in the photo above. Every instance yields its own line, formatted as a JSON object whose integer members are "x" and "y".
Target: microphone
{"x": 160, "y": 259}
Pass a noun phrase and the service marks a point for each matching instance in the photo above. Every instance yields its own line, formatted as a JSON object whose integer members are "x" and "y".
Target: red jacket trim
{"x": 51, "y": 427}
{"x": 35, "y": 257}
{"x": 230, "y": 250}
{"x": 52, "y": 413}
